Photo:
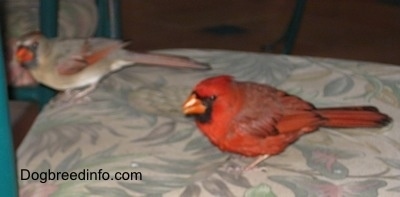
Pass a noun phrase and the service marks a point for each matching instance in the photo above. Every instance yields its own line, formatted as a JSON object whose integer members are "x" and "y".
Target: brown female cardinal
{"x": 259, "y": 120}
{"x": 75, "y": 63}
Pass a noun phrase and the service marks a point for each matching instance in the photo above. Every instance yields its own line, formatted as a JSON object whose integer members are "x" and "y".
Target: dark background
{"x": 350, "y": 29}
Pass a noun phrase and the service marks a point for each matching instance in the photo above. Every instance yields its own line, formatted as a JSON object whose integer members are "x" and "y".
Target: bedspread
{"x": 133, "y": 126}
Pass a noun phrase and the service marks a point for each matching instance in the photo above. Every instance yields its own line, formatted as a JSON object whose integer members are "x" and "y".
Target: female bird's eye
{"x": 34, "y": 45}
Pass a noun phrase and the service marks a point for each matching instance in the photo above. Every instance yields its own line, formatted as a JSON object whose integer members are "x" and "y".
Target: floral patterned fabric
{"x": 134, "y": 123}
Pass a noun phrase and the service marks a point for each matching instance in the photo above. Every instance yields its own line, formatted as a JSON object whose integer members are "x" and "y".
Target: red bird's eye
{"x": 208, "y": 101}
{"x": 24, "y": 54}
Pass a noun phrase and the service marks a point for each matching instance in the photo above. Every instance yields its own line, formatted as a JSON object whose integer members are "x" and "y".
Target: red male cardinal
{"x": 75, "y": 63}
{"x": 259, "y": 120}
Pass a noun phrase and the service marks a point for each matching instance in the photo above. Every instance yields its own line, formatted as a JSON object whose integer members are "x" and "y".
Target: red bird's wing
{"x": 268, "y": 111}
{"x": 269, "y": 121}
{"x": 260, "y": 111}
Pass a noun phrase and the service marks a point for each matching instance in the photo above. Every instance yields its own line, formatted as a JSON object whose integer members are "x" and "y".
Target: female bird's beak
{"x": 23, "y": 55}
{"x": 193, "y": 106}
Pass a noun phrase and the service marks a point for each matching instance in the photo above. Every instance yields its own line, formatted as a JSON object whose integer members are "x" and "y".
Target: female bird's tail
{"x": 349, "y": 117}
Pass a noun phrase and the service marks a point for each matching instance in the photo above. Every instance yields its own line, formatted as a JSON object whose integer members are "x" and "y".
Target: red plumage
{"x": 253, "y": 119}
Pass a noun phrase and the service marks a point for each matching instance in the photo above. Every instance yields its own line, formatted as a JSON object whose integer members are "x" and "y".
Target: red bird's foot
{"x": 255, "y": 162}
{"x": 233, "y": 168}
{"x": 235, "y": 164}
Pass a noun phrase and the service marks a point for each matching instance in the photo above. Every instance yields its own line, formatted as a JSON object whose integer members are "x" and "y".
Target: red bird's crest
{"x": 214, "y": 85}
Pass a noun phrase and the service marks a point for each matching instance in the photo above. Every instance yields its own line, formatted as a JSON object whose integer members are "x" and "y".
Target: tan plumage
{"x": 75, "y": 63}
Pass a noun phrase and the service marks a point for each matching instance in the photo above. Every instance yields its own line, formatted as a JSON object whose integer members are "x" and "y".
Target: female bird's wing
{"x": 87, "y": 54}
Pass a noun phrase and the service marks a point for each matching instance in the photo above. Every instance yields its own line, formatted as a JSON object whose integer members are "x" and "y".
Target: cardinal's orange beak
{"x": 193, "y": 106}
{"x": 24, "y": 55}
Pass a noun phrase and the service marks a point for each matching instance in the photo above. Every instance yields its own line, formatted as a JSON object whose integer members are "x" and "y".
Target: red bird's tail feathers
{"x": 349, "y": 117}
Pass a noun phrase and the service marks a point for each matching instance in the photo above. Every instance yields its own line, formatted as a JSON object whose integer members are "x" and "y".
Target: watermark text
{"x": 82, "y": 175}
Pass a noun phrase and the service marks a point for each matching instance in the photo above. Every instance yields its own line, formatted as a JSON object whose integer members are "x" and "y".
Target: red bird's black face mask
{"x": 206, "y": 105}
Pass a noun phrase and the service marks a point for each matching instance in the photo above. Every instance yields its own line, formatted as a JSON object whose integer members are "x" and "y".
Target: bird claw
{"x": 233, "y": 166}
{"x": 76, "y": 97}
{"x": 69, "y": 97}
{"x": 253, "y": 164}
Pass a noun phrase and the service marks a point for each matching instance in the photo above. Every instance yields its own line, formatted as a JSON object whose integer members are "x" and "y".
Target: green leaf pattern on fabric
{"x": 134, "y": 124}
